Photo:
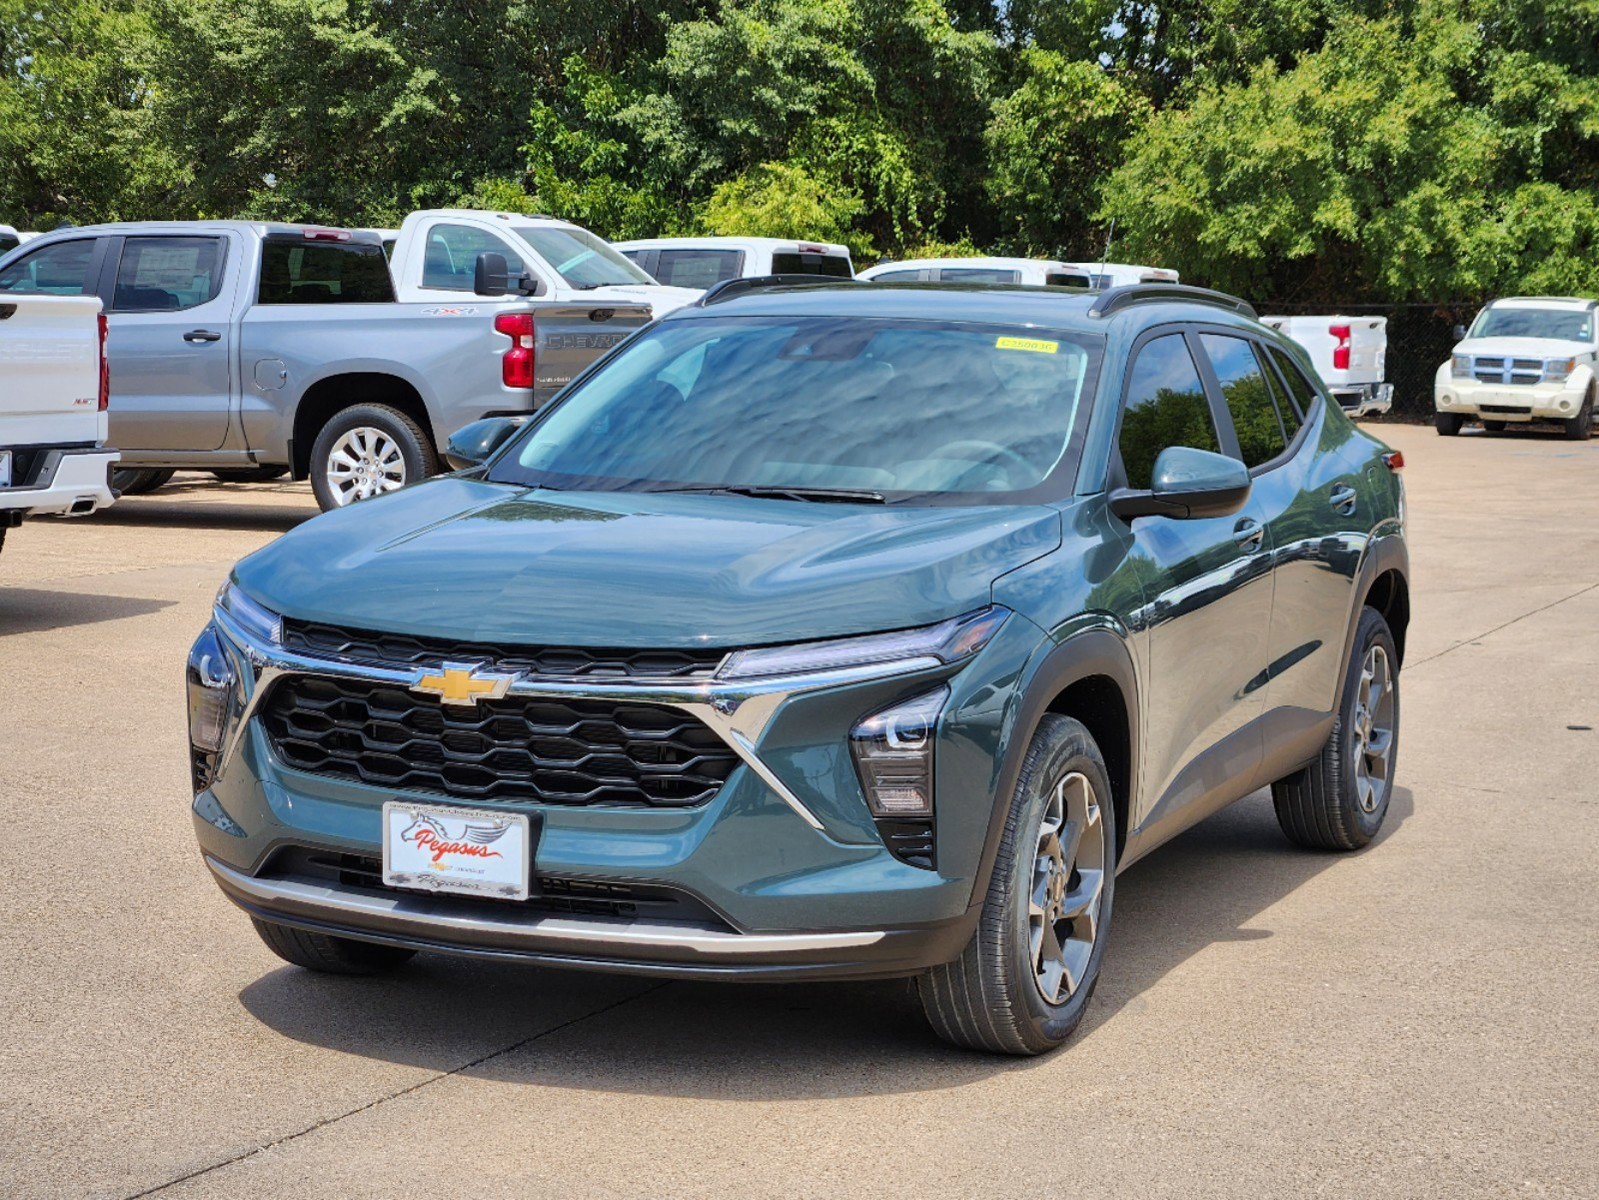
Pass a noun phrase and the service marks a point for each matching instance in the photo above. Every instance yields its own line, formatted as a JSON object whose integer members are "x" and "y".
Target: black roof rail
{"x": 729, "y": 288}
{"x": 1118, "y": 298}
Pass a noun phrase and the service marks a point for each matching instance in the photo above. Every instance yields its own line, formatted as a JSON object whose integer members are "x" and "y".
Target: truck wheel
{"x": 366, "y": 450}
{"x": 1339, "y": 801}
{"x": 1024, "y": 980}
{"x": 250, "y": 474}
{"x": 136, "y": 481}
{"x": 326, "y": 953}
{"x": 1581, "y": 425}
{"x": 1448, "y": 423}
{"x": 1494, "y": 426}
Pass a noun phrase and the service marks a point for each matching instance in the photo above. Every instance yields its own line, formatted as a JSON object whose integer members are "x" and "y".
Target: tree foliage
{"x": 1320, "y": 150}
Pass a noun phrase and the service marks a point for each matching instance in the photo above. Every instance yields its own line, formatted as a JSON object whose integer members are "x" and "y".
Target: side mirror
{"x": 1460, "y": 333}
{"x": 490, "y": 275}
{"x": 472, "y": 444}
{"x": 1187, "y": 483}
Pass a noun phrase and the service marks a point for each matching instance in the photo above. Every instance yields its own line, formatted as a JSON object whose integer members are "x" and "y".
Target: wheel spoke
{"x": 1084, "y": 896}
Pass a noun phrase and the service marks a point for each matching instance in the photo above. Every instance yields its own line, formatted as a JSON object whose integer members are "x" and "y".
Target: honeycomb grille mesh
{"x": 528, "y": 748}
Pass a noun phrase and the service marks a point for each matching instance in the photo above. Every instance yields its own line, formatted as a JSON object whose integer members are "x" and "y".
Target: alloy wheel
{"x": 1374, "y": 729}
{"x": 363, "y": 463}
{"x": 1068, "y": 883}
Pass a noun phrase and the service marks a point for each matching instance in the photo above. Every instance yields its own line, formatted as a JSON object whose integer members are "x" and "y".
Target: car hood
{"x": 660, "y": 298}
{"x": 1523, "y": 347}
{"x": 474, "y": 561}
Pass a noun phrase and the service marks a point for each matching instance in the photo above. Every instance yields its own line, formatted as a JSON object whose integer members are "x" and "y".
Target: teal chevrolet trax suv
{"x": 827, "y": 631}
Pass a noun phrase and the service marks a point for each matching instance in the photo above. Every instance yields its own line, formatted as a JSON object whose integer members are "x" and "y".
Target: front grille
{"x": 403, "y": 650}
{"x": 517, "y": 748}
{"x": 1522, "y": 370}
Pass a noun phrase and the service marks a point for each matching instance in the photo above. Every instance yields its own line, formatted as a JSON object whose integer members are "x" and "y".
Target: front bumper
{"x": 1511, "y": 402}
{"x": 784, "y": 872}
{"x": 1360, "y": 400}
{"x": 73, "y": 482}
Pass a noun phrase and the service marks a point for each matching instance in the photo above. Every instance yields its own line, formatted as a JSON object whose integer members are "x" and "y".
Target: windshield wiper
{"x": 764, "y": 492}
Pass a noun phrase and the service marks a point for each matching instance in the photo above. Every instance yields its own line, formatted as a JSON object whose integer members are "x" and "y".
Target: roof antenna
{"x": 1104, "y": 258}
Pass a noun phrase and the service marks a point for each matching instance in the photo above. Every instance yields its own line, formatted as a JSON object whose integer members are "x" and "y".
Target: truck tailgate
{"x": 568, "y": 337}
{"x": 50, "y": 365}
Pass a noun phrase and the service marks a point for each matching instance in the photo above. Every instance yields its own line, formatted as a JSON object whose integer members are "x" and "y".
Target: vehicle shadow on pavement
{"x": 34, "y": 610}
{"x": 206, "y": 514}
{"x": 557, "y": 1029}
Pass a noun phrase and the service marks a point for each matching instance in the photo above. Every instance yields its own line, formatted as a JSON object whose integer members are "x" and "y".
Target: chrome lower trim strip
{"x": 384, "y": 914}
{"x": 737, "y": 712}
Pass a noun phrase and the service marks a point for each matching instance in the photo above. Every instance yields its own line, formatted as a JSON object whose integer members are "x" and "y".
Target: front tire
{"x": 1023, "y": 982}
{"x": 365, "y": 451}
{"x": 1339, "y": 801}
{"x": 136, "y": 481}
{"x": 1580, "y": 427}
{"x": 1448, "y": 424}
{"x": 328, "y": 954}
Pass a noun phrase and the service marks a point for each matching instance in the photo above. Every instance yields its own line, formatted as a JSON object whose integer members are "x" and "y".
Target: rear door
{"x": 172, "y": 340}
{"x": 1207, "y": 607}
{"x": 696, "y": 267}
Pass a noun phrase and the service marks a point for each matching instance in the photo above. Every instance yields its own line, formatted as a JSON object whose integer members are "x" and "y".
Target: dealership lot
{"x": 1420, "y": 1018}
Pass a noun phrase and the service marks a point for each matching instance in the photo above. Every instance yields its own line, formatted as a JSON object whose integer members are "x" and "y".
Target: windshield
{"x": 1567, "y": 324}
{"x": 876, "y": 409}
{"x": 580, "y": 258}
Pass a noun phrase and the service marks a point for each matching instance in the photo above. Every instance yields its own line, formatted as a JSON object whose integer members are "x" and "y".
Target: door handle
{"x": 1250, "y": 534}
{"x": 202, "y": 335}
{"x": 1343, "y": 498}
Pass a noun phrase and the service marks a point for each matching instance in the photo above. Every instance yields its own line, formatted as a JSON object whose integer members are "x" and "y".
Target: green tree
{"x": 780, "y": 200}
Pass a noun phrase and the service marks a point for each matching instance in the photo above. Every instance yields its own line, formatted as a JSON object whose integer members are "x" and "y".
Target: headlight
{"x": 1460, "y": 366}
{"x": 929, "y": 646}
{"x": 260, "y": 623}
{"x": 893, "y": 751}
{"x": 1556, "y": 370}
{"x": 209, "y": 678}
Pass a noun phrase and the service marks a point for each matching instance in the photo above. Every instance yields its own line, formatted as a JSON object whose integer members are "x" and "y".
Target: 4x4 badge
{"x": 461, "y": 683}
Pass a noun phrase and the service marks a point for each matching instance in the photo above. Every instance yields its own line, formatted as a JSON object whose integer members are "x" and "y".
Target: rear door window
{"x": 166, "y": 274}
{"x": 834, "y": 266}
{"x": 1243, "y": 387}
{"x": 1299, "y": 388}
{"x": 449, "y": 260}
{"x": 59, "y": 269}
{"x": 979, "y": 275}
{"x": 1061, "y": 279}
{"x": 295, "y": 271}
{"x": 908, "y": 276}
{"x": 1166, "y": 406}
{"x": 698, "y": 268}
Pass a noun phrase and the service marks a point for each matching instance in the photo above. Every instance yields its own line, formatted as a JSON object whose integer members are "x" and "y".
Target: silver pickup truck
{"x": 255, "y": 350}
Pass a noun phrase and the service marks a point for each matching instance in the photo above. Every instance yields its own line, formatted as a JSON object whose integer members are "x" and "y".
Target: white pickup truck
{"x": 53, "y": 458}
{"x": 1349, "y": 353}
{"x": 703, "y": 262}
{"x": 436, "y": 252}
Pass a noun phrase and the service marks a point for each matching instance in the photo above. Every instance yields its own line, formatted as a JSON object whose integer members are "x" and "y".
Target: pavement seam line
{"x": 405, "y": 1091}
{"x": 1477, "y": 637}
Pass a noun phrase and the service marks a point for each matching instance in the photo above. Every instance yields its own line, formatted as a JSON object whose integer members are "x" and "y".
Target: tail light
{"x": 1393, "y": 460}
{"x": 105, "y": 369}
{"x": 516, "y": 367}
{"x": 326, "y": 235}
{"x": 1341, "y": 350}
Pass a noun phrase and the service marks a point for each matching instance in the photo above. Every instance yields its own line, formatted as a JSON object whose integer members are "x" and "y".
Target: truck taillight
{"x": 326, "y": 235}
{"x": 105, "y": 368}
{"x": 1341, "y": 350}
{"x": 516, "y": 367}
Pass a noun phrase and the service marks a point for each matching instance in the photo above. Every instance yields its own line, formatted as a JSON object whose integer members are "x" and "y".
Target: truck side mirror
{"x": 1460, "y": 333}
{"x": 490, "y": 275}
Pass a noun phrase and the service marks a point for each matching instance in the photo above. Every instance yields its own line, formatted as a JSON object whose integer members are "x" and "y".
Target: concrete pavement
{"x": 1420, "y": 1019}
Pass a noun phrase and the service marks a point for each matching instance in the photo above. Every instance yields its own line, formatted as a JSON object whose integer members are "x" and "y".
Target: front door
{"x": 170, "y": 343}
{"x": 1207, "y": 601}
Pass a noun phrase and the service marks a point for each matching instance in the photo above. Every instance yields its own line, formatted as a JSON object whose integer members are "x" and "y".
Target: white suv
{"x": 1523, "y": 359}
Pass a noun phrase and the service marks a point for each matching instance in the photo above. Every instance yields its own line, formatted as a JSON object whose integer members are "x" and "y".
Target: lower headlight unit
{"x": 893, "y": 751}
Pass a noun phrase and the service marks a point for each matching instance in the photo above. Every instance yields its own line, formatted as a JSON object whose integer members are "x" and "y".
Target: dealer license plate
{"x": 462, "y": 851}
{"x": 5, "y": 468}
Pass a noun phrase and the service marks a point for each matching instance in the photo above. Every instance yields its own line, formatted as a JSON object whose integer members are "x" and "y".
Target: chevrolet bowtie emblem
{"x": 461, "y": 683}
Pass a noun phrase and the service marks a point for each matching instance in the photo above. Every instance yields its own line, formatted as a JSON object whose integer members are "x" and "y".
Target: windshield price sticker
{"x": 1036, "y": 345}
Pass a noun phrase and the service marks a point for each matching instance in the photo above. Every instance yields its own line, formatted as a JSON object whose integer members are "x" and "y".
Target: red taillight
{"x": 1341, "y": 350}
{"x": 516, "y": 367}
{"x": 105, "y": 369}
{"x": 1393, "y": 460}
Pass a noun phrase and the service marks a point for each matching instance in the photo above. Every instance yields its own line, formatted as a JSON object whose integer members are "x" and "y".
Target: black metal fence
{"x": 1420, "y": 336}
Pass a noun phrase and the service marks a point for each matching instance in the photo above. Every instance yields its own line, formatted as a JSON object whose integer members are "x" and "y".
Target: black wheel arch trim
{"x": 1096, "y": 651}
{"x": 1385, "y": 553}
